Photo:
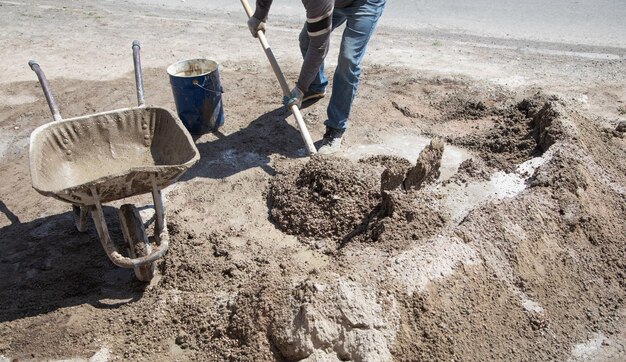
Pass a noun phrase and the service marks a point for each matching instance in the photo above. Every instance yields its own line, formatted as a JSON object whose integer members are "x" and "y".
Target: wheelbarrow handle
{"x": 34, "y": 65}
{"x": 138, "y": 75}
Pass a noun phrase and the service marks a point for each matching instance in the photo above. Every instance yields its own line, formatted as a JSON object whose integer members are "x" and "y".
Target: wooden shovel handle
{"x": 306, "y": 137}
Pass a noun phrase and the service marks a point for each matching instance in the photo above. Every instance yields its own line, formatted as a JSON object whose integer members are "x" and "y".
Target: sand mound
{"x": 335, "y": 319}
{"x": 342, "y": 200}
{"x": 460, "y": 105}
{"x": 327, "y": 198}
{"x": 520, "y": 132}
{"x": 395, "y": 169}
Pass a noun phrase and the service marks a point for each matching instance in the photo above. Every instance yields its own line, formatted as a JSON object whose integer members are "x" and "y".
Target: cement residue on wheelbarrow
{"x": 123, "y": 149}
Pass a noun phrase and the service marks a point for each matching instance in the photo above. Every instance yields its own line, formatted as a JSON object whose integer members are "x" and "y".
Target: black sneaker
{"x": 313, "y": 96}
{"x": 331, "y": 143}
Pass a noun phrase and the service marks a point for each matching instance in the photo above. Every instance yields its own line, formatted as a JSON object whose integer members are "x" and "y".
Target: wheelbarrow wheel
{"x": 138, "y": 243}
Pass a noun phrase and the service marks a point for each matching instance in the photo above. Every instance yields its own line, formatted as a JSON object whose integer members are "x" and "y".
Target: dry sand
{"x": 515, "y": 252}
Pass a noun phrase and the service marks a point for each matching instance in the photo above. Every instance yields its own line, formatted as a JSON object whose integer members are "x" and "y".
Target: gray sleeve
{"x": 262, "y": 9}
{"x": 319, "y": 24}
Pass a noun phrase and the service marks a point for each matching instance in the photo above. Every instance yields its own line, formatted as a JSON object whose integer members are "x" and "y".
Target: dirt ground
{"x": 508, "y": 245}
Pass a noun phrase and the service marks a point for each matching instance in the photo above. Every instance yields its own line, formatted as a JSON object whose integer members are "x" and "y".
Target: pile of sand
{"x": 521, "y": 131}
{"x": 375, "y": 199}
{"x": 327, "y": 198}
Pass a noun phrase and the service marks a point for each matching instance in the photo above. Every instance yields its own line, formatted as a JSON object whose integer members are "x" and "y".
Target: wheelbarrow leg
{"x": 138, "y": 243}
{"x": 103, "y": 232}
{"x": 160, "y": 226}
{"x": 80, "y": 217}
{"x": 135, "y": 235}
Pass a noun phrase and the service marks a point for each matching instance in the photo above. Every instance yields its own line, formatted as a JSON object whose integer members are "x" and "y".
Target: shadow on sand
{"x": 249, "y": 147}
{"x": 46, "y": 264}
{"x": 8, "y": 213}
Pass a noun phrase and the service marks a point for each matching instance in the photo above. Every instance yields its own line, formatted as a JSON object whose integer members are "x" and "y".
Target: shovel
{"x": 306, "y": 137}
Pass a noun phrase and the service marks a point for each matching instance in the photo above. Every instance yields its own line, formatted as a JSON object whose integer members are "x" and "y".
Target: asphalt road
{"x": 586, "y": 22}
{"x": 581, "y": 22}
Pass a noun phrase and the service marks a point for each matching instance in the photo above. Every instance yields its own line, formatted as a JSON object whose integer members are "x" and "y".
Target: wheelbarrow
{"x": 91, "y": 160}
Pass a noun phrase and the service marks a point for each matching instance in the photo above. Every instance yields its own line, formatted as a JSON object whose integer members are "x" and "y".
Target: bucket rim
{"x": 171, "y": 67}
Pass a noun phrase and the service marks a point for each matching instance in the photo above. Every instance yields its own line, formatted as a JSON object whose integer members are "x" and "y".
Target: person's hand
{"x": 294, "y": 98}
{"x": 255, "y": 25}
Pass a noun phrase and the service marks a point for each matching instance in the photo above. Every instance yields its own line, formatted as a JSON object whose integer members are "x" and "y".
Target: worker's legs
{"x": 320, "y": 82}
{"x": 361, "y": 19}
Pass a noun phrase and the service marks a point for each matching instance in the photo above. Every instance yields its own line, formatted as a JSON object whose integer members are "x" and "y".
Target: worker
{"x": 323, "y": 16}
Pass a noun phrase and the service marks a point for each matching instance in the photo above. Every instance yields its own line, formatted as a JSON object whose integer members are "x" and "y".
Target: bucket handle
{"x": 197, "y": 84}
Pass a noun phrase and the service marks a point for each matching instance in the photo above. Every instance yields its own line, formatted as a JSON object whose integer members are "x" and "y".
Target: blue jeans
{"x": 361, "y": 18}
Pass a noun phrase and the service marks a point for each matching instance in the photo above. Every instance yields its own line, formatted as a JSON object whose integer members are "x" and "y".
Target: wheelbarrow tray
{"x": 121, "y": 153}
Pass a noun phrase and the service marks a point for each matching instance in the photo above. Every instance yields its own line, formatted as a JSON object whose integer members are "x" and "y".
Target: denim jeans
{"x": 360, "y": 18}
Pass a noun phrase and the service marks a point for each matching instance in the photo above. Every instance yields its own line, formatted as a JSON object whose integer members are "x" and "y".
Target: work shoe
{"x": 331, "y": 143}
{"x": 313, "y": 95}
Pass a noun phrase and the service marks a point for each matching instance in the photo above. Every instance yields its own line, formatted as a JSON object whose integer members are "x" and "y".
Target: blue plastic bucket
{"x": 198, "y": 94}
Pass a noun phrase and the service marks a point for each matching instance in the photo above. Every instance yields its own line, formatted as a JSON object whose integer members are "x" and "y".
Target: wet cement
{"x": 409, "y": 146}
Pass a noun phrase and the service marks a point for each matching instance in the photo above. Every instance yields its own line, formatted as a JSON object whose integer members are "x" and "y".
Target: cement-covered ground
{"x": 515, "y": 252}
